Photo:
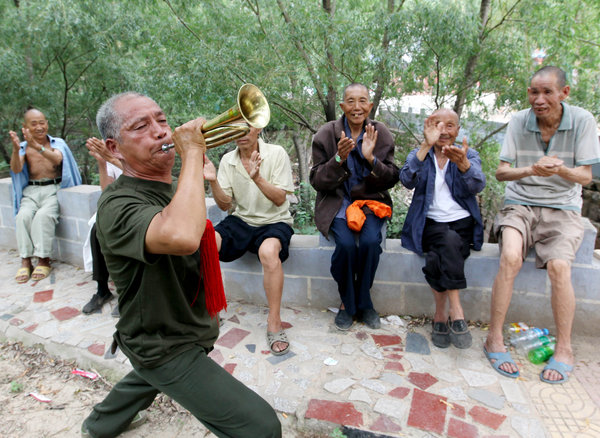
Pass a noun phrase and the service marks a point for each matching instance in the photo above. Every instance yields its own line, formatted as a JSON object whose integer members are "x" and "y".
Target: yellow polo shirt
{"x": 252, "y": 206}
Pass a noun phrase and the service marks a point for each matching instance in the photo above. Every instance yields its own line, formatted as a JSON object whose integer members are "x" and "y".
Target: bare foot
{"x": 498, "y": 347}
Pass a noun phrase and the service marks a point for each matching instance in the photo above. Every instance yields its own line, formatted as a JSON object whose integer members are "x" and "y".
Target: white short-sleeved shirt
{"x": 575, "y": 142}
{"x": 443, "y": 207}
{"x": 252, "y": 206}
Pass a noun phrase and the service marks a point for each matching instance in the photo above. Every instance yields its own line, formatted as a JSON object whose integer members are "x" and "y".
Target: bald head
{"x": 446, "y": 113}
{"x": 447, "y": 122}
{"x": 35, "y": 121}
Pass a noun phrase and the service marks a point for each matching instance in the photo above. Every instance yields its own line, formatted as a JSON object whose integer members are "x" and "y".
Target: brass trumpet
{"x": 251, "y": 110}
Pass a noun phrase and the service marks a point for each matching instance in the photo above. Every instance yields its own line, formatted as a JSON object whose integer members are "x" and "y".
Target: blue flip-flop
{"x": 560, "y": 367}
{"x": 497, "y": 359}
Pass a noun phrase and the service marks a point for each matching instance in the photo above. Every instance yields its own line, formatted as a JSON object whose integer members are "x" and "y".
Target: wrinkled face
{"x": 249, "y": 141}
{"x": 545, "y": 95}
{"x": 37, "y": 124}
{"x": 356, "y": 105}
{"x": 449, "y": 127}
{"x": 144, "y": 130}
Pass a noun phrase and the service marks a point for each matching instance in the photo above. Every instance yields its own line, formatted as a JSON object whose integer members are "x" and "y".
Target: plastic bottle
{"x": 517, "y": 327}
{"x": 541, "y": 354}
{"x": 522, "y": 337}
{"x": 535, "y": 343}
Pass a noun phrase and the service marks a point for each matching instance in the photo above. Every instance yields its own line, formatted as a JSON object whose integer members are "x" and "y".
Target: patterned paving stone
{"x": 385, "y": 424}
{"x": 460, "y": 429}
{"x": 371, "y": 350}
{"x": 65, "y": 313}
{"x": 361, "y": 336}
{"x": 234, "y": 319}
{"x": 588, "y": 374}
{"x": 334, "y": 412}
{"x": 43, "y": 296}
{"x": 360, "y": 394}
{"x": 386, "y": 340}
{"x": 528, "y": 427}
{"x": 285, "y": 405}
{"x": 427, "y": 412}
{"x": 6, "y": 316}
{"x": 399, "y": 392}
{"x": 373, "y": 385}
{"x": 392, "y": 378}
{"x": 417, "y": 343}
{"x": 486, "y": 397}
{"x": 31, "y": 328}
{"x": 393, "y": 356}
{"x": 421, "y": 380}
{"x": 97, "y": 349}
{"x": 217, "y": 356}
{"x": 274, "y": 360}
{"x": 251, "y": 347}
{"x": 286, "y": 325}
{"x": 458, "y": 411}
{"x": 475, "y": 378}
{"x": 338, "y": 385}
{"x": 453, "y": 393}
{"x": 394, "y": 366}
{"x": 487, "y": 418}
{"x": 230, "y": 367}
{"x": 392, "y": 408}
{"x": 232, "y": 337}
{"x": 16, "y": 322}
{"x": 512, "y": 391}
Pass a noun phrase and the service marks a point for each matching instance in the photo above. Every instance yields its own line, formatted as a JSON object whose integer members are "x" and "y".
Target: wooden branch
{"x": 502, "y": 20}
{"x": 190, "y": 30}
{"x": 311, "y": 70}
{"x": 491, "y": 134}
{"x": 300, "y": 119}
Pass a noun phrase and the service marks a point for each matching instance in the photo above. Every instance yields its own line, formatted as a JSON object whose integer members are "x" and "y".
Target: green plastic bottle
{"x": 541, "y": 354}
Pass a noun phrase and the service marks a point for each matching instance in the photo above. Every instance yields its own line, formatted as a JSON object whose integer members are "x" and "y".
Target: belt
{"x": 45, "y": 182}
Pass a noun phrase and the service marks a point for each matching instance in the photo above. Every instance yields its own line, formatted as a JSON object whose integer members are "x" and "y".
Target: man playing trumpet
{"x": 155, "y": 238}
{"x": 257, "y": 176}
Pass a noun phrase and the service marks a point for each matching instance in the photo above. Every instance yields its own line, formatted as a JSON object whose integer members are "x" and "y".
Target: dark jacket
{"x": 327, "y": 176}
{"x": 420, "y": 175}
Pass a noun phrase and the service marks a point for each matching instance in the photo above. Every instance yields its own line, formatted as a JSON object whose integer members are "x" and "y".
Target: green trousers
{"x": 36, "y": 220}
{"x": 223, "y": 404}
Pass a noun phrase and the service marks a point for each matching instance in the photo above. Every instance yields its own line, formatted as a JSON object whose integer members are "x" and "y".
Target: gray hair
{"x": 108, "y": 119}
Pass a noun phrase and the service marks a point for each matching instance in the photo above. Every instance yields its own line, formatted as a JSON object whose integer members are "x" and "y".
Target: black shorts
{"x": 237, "y": 237}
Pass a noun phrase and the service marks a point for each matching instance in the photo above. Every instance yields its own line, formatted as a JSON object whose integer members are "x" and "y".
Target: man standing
{"x": 109, "y": 169}
{"x": 552, "y": 146}
{"x": 161, "y": 254}
{"x": 444, "y": 219}
{"x": 353, "y": 160}
{"x": 257, "y": 177}
{"x": 39, "y": 167}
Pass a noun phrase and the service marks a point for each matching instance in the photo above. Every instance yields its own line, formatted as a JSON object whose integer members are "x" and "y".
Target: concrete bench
{"x": 399, "y": 286}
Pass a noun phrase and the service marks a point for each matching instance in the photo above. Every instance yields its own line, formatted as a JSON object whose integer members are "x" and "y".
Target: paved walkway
{"x": 366, "y": 383}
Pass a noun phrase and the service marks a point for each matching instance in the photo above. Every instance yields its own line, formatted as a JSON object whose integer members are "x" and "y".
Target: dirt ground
{"x": 26, "y": 370}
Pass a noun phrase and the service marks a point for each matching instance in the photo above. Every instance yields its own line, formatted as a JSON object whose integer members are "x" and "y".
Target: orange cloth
{"x": 355, "y": 217}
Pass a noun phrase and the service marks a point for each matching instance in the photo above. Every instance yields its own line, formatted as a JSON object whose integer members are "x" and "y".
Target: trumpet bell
{"x": 251, "y": 110}
{"x": 254, "y": 107}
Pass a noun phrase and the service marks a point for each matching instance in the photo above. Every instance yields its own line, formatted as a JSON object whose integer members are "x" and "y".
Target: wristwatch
{"x": 338, "y": 159}
{"x": 42, "y": 149}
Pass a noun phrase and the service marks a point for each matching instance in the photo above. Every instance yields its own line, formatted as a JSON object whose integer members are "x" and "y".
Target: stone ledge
{"x": 399, "y": 286}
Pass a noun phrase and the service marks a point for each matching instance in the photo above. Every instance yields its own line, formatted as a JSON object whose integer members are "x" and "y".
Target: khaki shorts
{"x": 554, "y": 233}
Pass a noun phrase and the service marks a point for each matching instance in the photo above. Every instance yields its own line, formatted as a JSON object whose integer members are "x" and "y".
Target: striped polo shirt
{"x": 575, "y": 142}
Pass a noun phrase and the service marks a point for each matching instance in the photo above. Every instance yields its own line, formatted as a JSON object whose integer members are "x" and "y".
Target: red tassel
{"x": 210, "y": 267}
